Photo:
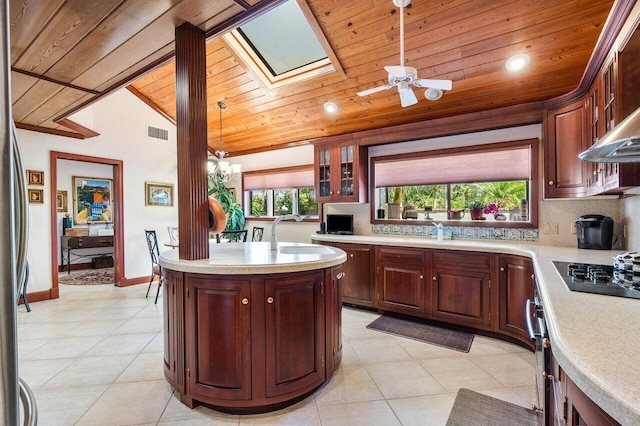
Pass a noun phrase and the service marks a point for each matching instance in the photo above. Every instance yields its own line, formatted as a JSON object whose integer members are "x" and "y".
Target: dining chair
{"x": 232, "y": 236}
{"x": 173, "y": 233}
{"x": 257, "y": 233}
{"x": 156, "y": 269}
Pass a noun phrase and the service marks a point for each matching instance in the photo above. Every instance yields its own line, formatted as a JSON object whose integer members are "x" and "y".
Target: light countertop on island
{"x": 595, "y": 338}
{"x": 256, "y": 258}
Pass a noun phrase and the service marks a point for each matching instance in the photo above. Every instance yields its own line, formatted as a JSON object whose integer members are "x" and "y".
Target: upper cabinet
{"x": 572, "y": 128}
{"x": 341, "y": 172}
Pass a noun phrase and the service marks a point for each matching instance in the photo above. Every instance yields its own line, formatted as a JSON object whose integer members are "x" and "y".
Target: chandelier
{"x": 219, "y": 169}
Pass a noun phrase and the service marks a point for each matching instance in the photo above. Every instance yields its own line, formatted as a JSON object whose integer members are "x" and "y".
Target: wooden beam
{"x": 150, "y": 103}
{"x": 84, "y": 131}
{"x": 54, "y": 81}
{"x": 191, "y": 112}
{"x": 49, "y": 131}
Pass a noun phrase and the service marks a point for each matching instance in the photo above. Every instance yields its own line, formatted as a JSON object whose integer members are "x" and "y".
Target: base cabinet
{"x": 460, "y": 288}
{"x": 251, "y": 343}
{"x": 400, "y": 280}
{"x": 516, "y": 286}
{"x": 357, "y": 283}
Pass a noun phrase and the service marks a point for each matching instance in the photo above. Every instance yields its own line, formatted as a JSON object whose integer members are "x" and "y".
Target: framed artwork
{"x": 61, "y": 201}
{"x": 92, "y": 200}
{"x": 35, "y": 177}
{"x": 158, "y": 194}
{"x": 36, "y": 196}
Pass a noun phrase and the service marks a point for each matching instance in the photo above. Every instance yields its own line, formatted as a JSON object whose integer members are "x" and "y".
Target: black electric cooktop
{"x": 599, "y": 279}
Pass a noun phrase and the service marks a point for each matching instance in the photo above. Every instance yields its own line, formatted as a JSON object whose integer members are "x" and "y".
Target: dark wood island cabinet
{"x": 250, "y": 343}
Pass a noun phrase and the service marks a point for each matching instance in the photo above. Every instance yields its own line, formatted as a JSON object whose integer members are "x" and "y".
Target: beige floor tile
{"x": 472, "y": 378}
{"x": 140, "y": 325}
{"x": 145, "y": 367}
{"x": 432, "y": 410}
{"x": 129, "y": 404}
{"x": 348, "y": 384}
{"x": 358, "y": 413}
{"x": 63, "y": 347}
{"x": 65, "y": 406}
{"x": 349, "y": 357}
{"x": 121, "y": 344}
{"x": 95, "y": 328}
{"x": 515, "y": 377}
{"x": 403, "y": 379}
{"x": 491, "y": 362}
{"x": 38, "y": 372}
{"x": 302, "y": 413}
{"x": 529, "y": 393}
{"x": 422, "y": 350}
{"x": 379, "y": 350}
{"x": 178, "y": 413}
{"x": 156, "y": 344}
{"x": 439, "y": 365}
{"x": 87, "y": 371}
{"x": 118, "y": 313}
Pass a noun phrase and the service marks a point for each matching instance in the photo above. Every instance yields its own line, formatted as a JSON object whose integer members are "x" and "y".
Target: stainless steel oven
{"x": 538, "y": 332}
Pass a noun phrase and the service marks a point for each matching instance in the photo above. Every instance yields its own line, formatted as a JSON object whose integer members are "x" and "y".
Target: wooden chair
{"x": 257, "y": 233}
{"x": 156, "y": 269}
{"x": 232, "y": 236}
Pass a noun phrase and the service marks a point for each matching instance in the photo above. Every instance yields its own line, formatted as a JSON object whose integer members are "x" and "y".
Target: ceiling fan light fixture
{"x": 517, "y": 62}
{"x": 330, "y": 107}
{"x": 433, "y": 94}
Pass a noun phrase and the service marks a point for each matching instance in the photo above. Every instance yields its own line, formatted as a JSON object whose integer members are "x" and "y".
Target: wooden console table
{"x": 75, "y": 246}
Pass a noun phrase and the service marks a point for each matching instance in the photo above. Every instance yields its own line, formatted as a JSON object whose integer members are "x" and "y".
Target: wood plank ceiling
{"x": 67, "y": 52}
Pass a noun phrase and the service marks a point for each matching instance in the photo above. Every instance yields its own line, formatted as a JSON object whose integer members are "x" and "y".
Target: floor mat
{"x": 475, "y": 409}
{"x": 87, "y": 277}
{"x": 445, "y": 337}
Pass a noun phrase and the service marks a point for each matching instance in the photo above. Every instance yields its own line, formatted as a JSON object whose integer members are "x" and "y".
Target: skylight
{"x": 284, "y": 46}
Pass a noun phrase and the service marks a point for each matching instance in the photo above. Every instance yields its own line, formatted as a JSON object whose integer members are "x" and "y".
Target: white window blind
{"x": 295, "y": 177}
{"x": 512, "y": 163}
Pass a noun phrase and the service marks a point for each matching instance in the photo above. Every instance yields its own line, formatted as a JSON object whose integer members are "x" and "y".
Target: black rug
{"x": 451, "y": 339}
{"x": 475, "y": 409}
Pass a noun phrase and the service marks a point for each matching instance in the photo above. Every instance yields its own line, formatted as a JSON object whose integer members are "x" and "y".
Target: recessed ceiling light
{"x": 330, "y": 107}
{"x": 517, "y": 62}
{"x": 433, "y": 94}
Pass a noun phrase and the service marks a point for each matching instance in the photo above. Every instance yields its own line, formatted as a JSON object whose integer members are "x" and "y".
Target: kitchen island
{"x": 594, "y": 337}
{"x": 252, "y": 329}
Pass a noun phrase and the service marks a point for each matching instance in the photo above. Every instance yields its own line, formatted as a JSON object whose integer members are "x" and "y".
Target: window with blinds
{"x": 276, "y": 192}
{"x": 446, "y": 184}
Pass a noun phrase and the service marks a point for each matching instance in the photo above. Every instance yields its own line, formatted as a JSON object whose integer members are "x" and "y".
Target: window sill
{"x": 471, "y": 223}
{"x": 272, "y": 218}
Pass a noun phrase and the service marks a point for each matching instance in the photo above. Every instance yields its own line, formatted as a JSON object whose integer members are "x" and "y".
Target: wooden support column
{"x": 191, "y": 112}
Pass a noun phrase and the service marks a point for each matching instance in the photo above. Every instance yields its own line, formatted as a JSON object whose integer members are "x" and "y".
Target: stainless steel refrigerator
{"x": 13, "y": 248}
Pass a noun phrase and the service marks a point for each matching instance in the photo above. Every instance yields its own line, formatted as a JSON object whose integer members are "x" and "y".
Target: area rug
{"x": 475, "y": 409}
{"x": 445, "y": 337}
{"x": 87, "y": 277}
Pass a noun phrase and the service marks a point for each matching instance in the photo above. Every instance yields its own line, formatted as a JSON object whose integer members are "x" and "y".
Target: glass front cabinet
{"x": 340, "y": 172}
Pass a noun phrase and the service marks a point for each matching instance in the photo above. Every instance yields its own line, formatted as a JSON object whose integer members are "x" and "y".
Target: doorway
{"x": 118, "y": 208}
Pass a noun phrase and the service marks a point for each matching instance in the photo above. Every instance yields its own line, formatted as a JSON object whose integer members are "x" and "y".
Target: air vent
{"x": 158, "y": 133}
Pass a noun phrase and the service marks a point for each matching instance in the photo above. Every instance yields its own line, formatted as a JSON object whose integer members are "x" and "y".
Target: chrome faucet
{"x": 274, "y": 239}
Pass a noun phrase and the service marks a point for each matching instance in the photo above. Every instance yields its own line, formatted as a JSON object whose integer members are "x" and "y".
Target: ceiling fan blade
{"x": 396, "y": 70}
{"x": 374, "y": 90}
{"x": 434, "y": 84}
{"x": 407, "y": 97}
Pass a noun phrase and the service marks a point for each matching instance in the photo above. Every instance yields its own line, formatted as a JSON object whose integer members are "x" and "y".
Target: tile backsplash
{"x": 458, "y": 232}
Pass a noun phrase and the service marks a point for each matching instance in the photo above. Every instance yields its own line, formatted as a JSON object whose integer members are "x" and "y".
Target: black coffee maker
{"x": 595, "y": 232}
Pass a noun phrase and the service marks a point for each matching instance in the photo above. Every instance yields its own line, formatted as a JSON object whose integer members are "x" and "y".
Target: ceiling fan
{"x": 404, "y": 77}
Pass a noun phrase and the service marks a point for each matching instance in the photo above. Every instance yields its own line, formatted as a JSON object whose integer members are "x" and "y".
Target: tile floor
{"x": 94, "y": 357}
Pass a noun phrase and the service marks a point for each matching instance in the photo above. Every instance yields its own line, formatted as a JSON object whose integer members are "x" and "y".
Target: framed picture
{"x": 158, "y": 194}
{"x": 35, "y": 177}
{"x": 92, "y": 200}
{"x": 36, "y": 196}
{"x": 61, "y": 201}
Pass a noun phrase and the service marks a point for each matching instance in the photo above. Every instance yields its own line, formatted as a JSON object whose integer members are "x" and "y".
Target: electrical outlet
{"x": 551, "y": 228}
{"x": 572, "y": 227}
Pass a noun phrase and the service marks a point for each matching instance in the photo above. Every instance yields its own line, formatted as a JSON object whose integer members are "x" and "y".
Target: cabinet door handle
{"x": 245, "y": 301}
{"x": 434, "y": 278}
{"x": 340, "y": 276}
{"x": 269, "y": 299}
{"x": 533, "y": 277}
{"x": 550, "y": 182}
{"x": 502, "y": 269}
{"x": 421, "y": 277}
{"x": 351, "y": 255}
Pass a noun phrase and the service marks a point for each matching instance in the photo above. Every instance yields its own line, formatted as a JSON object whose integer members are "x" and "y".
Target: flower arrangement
{"x": 492, "y": 209}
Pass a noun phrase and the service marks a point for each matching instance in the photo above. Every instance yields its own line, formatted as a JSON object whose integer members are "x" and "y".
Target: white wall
{"x": 121, "y": 119}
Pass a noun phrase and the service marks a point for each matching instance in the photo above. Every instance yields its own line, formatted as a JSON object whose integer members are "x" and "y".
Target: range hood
{"x": 621, "y": 145}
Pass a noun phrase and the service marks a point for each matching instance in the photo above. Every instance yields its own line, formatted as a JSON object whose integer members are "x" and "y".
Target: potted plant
{"x": 476, "y": 209}
{"x": 233, "y": 210}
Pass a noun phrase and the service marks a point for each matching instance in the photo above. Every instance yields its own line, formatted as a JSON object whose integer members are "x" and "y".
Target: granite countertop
{"x": 595, "y": 338}
{"x": 256, "y": 258}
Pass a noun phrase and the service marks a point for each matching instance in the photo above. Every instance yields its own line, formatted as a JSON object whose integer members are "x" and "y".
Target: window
{"x": 276, "y": 192}
{"x": 284, "y": 46}
{"x": 444, "y": 185}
